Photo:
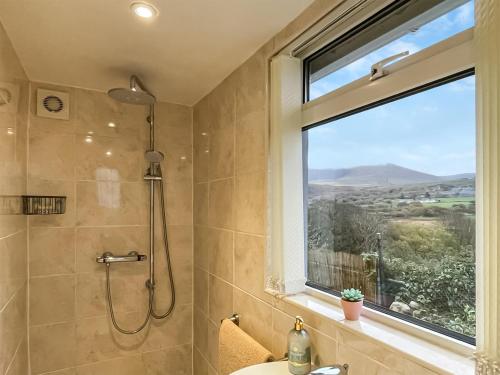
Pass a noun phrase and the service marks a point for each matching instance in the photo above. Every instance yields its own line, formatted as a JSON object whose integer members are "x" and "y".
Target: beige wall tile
{"x": 220, "y": 206}
{"x": 12, "y": 327}
{"x": 201, "y": 289}
{"x": 51, "y": 156}
{"x": 222, "y": 103}
{"x": 200, "y": 364}
{"x": 173, "y": 331}
{"x": 171, "y": 361}
{"x": 52, "y": 299}
{"x": 181, "y": 257}
{"x": 250, "y": 203}
{"x": 52, "y": 347}
{"x": 282, "y": 324}
{"x": 175, "y": 115}
{"x": 97, "y": 340}
{"x": 249, "y": 265}
{"x": 132, "y": 365}
{"x": 109, "y": 158}
{"x": 324, "y": 348}
{"x": 252, "y": 84}
{"x": 91, "y": 294}
{"x": 52, "y": 251}
{"x": 111, "y": 203}
{"x": 220, "y": 299}
{"x": 69, "y": 371}
{"x": 221, "y": 245}
{"x": 13, "y": 252}
{"x": 168, "y": 135}
{"x": 251, "y": 149}
{"x": 255, "y": 317}
{"x": 179, "y": 200}
{"x": 10, "y": 224}
{"x": 20, "y": 363}
{"x": 179, "y": 162}
{"x": 201, "y": 141}
{"x": 359, "y": 363}
{"x": 213, "y": 344}
{"x": 200, "y": 331}
{"x": 200, "y": 204}
{"x": 221, "y": 159}
{"x": 212, "y": 371}
{"x": 201, "y": 246}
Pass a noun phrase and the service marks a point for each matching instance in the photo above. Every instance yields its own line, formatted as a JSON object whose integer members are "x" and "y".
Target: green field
{"x": 450, "y": 202}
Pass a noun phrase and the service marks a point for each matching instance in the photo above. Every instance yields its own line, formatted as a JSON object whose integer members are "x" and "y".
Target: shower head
{"x": 136, "y": 94}
{"x": 132, "y": 97}
{"x": 154, "y": 156}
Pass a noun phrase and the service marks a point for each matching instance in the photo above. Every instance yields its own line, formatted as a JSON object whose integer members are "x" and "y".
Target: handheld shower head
{"x": 154, "y": 156}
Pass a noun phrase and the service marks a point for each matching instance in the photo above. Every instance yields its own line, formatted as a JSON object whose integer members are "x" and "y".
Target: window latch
{"x": 377, "y": 69}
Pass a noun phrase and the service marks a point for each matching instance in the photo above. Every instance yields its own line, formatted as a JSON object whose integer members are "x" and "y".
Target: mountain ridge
{"x": 383, "y": 174}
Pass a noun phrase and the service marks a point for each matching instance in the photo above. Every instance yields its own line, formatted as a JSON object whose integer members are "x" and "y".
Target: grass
{"x": 449, "y": 202}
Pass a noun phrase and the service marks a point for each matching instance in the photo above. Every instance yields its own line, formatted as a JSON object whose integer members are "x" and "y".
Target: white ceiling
{"x": 181, "y": 55}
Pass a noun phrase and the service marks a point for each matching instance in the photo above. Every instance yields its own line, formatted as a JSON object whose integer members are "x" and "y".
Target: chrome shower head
{"x": 154, "y": 156}
{"x": 132, "y": 96}
{"x": 136, "y": 94}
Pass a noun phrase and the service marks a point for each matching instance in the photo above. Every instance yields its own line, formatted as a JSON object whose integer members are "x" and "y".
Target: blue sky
{"x": 433, "y": 131}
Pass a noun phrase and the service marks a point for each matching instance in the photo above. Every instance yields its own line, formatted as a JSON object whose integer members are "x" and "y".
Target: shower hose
{"x": 151, "y": 310}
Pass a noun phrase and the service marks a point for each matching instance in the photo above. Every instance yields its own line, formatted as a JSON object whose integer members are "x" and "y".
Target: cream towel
{"x": 238, "y": 350}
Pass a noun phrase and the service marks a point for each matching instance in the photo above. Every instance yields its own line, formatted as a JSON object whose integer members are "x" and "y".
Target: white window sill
{"x": 436, "y": 352}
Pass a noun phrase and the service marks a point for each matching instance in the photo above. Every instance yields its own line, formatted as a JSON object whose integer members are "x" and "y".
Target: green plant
{"x": 352, "y": 295}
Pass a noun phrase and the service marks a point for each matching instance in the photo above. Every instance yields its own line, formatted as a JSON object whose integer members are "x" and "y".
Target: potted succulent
{"x": 352, "y": 303}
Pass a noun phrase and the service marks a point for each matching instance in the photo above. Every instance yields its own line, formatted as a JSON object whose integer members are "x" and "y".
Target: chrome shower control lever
{"x": 108, "y": 257}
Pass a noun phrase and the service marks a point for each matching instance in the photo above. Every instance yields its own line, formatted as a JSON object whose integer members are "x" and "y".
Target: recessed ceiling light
{"x": 109, "y": 153}
{"x": 144, "y": 10}
{"x": 111, "y": 124}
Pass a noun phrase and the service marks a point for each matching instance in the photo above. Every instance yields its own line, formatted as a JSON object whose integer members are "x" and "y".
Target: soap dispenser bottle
{"x": 299, "y": 349}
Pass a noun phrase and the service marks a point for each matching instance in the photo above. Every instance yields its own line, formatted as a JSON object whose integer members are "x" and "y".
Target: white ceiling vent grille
{"x": 52, "y": 104}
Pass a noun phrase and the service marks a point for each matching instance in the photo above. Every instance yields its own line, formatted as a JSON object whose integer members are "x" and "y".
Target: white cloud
{"x": 465, "y": 14}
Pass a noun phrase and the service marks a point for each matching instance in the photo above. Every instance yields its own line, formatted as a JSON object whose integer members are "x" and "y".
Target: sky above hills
{"x": 431, "y": 132}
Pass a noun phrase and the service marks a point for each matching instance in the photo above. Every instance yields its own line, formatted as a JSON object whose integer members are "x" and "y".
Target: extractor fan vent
{"x": 52, "y": 104}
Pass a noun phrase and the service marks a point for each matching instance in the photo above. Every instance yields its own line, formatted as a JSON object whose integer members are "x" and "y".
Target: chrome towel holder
{"x": 235, "y": 318}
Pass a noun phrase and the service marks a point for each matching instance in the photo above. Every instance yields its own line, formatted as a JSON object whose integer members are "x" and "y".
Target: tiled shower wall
{"x": 100, "y": 169}
{"x": 230, "y": 227}
{"x": 13, "y": 229}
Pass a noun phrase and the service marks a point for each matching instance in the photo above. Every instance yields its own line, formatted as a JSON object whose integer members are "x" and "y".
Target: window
{"x": 391, "y": 205}
{"x": 388, "y": 166}
{"x": 404, "y": 26}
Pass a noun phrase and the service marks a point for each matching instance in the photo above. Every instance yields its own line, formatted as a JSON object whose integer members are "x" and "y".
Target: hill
{"x": 380, "y": 175}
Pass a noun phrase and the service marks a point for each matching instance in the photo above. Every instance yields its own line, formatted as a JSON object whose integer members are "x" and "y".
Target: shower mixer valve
{"x": 132, "y": 256}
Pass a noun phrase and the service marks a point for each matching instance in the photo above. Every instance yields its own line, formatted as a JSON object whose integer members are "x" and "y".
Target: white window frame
{"x": 289, "y": 115}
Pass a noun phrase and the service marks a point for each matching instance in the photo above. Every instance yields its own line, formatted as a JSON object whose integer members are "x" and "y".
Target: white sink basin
{"x": 272, "y": 368}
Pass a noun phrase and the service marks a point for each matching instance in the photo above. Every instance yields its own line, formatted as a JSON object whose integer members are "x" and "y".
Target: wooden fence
{"x": 338, "y": 271}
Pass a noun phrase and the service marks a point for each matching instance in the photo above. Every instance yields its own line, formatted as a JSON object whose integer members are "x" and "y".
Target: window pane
{"x": 391, "y": 205}
{"x": 358, "y": 63}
